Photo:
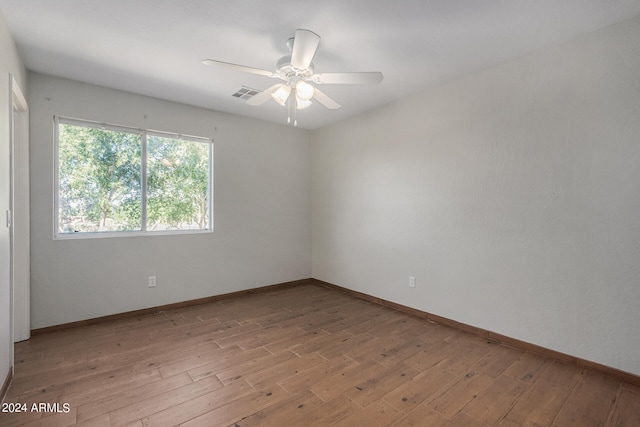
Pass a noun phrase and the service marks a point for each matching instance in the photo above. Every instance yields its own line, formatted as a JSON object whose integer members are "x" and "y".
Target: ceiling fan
{"x": 299, "y": 76}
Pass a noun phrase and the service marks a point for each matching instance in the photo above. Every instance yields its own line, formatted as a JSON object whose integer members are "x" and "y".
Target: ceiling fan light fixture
{"x": 281, "y": 94}
{"x": 301, "y": 104}
{"x": 304, "y": 90}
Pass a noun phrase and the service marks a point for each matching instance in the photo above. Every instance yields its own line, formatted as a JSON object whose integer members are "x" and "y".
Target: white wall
{"x": 261, "y": 212}
{"x": 10, "y": 64}
{"x": 513, "y": 195}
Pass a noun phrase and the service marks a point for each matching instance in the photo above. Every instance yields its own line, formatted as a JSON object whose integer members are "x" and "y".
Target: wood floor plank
{"x": 206, "y": 331}
{"x": 286, "y": 369}
{"x": 43, "y": 380}
{"x": 562, "y": 374}
{"x": 431, "y": 332}
{"x": 539, "y": 405}
{"x": 263, "y": 337}
{"x": 304, "y": 355}
{"x": 242, "y": 334}
{"x": 140, "y": 409}
{"x": 375, "y": 349}
{"x": 55, "y": 420}
{"x": 433, "y": 354}
{"x": 590, "y": 402}
{"x": 350, "y": 317}
{"x": 14, "y": 419}
{"x": 81, "y": 392}
{"x": 528, "y": 367}
{"x": 194, "y": 408}
{"x": 463, "y": 356}
{"x": 100, "y": 421}
{"x": 295, "y": 336}
{"x": 281, "y": 414}
{"x": 395, "y": 324}
{"x": 310, "y": 321}
{"x": 258, "y": 364}
{"x": 125, "y": 397}
{"x": 491, "y": 404}
{"x": 464, "y": 420}
{"x": 379, "y": 414}
{"x": 237, "y": 409}
{"x": 345, "y": 345}
{"x": 360, "y": 352}
{"x": 376, "y": 386}
{"x": 394, "y": 354}
{"x": 420, "y": 388}
{"x": 496, "y": 362}
{"x": 348, "y": 378}
{"x": 85, "y": 389}
{"x": 275, "y": 318}
{"x": 626, "y": 411}
{"x": 306, "y": 379}
{"x": 374, "y": 319}
{"x": 317, "y": 342}
{"x": 225, "y": 362}
{"x": 328, "y": 413}
{"x": 203, "y": 356}
{"x": 420, "y": 416}
{"x": 451, "y": 401}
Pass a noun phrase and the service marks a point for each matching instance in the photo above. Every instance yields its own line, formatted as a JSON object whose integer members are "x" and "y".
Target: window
{"x": 114, "y": 180}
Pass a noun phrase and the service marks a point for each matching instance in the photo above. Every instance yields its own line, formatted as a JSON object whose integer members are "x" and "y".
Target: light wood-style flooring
{"x": 301, "y": 356}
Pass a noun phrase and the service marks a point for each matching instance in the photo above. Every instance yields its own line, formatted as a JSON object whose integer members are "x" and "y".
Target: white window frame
{"x": 144, "y": 133}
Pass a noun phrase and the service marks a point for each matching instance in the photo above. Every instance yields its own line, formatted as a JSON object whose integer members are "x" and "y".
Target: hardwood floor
{"x": 305, "y": 355}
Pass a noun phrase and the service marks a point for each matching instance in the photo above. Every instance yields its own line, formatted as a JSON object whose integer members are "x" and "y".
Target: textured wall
{"x": 261, "y": 212}
{"x": 512, "y": 194}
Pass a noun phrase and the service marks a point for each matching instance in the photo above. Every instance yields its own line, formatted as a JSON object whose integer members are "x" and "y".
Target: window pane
{"x": 99, "y": 180}
{"x": 177, "y": 184}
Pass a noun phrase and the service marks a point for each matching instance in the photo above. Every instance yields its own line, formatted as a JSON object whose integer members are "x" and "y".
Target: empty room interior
{"x": 320, "y": 213}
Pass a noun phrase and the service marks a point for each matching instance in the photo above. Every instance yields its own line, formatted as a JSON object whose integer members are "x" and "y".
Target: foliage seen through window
{"x": 100, "y": 181}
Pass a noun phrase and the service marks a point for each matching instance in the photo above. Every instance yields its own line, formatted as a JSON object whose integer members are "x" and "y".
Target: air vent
{"x": 245, "y": 93}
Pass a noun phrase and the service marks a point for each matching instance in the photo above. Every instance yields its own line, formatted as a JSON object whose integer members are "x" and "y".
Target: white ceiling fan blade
{"x": 323, "y": 99}
{"x": 305, "y": 45}
{"x": 367, "y": 77}
{"x": 263, "y": 96}
{"x": 236, "y": 67}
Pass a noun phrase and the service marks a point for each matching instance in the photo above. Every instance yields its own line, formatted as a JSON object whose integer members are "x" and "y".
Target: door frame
{"x": 18, "y": 207}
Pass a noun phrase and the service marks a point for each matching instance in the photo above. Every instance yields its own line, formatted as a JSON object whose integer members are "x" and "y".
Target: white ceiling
{"x": 155, "y": 47}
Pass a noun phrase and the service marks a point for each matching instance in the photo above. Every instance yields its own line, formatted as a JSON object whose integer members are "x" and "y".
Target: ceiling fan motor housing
{"x": 286, "y": 70}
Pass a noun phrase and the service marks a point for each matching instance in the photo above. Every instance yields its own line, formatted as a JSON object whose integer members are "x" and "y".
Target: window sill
{"x": 112, "y": 234}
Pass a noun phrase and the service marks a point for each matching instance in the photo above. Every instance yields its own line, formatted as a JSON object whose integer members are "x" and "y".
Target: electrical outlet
{"x": 412, "y": 281}
{"x": 152, "y": 281}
